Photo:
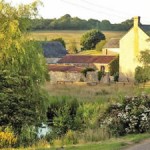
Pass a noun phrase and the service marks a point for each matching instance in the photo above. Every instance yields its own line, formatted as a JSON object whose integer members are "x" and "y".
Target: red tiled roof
{"x": 87, "y": 59}
{"x": 64, "y": 68}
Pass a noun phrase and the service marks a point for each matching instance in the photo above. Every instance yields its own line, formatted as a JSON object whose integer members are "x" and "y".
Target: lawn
{"x": 69, "y": 35}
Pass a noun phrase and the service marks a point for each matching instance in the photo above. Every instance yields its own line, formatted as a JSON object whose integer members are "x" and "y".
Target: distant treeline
{"x": 67, "y": 22}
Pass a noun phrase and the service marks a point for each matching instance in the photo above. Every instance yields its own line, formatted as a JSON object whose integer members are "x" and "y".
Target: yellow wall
{"x": 110, "y": 51}
{"x": 98, "y": 66}
{"x": 130, "y": 46}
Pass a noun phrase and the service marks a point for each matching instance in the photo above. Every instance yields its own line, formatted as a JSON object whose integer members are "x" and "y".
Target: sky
{"x": 115, "y": 11}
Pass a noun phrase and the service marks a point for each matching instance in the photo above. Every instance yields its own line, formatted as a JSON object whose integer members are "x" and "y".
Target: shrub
{"x": 114, "y": 66}
{"x": 7, "y": 137}
{"x": 100, "y": 75}
{"x": 132, "y": 116}
{"x": 141, "y": 74}
{"x": 28, "y": 136}
{"x": 116, "y": 77}
{"x": 70, "y": 138}
{"x": 62, "y": 116}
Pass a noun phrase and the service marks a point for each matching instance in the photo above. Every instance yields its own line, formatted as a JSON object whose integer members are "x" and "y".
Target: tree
{"x": 72, "y": 47}
{"x": 91, "y": 38}
{"x": 142, "y": 73}
{"x": 105, "y": 25}
{"x": 22, "y": 70}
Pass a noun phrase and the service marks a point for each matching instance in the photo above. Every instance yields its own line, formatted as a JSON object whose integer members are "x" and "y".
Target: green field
{"x": 69, "y": 35}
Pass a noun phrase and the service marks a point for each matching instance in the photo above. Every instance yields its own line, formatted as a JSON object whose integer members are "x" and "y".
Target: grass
{"x": 101, "y": 93}
{"x": 111, "y": 144}
{"x": 90, "y": 52}
{"x": 69, "y": 35}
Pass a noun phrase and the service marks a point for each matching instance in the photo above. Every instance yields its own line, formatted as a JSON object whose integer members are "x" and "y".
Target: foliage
{"x": 132, "y": 116}
{"x": 100, "y": 45}
{"x": 116, "y": 77}
{"x": 100, "y": 75}
{"x": 114, "y": 66}
{"x": 70, "y": 138}
{"x": 67, "y": 22}
{"x": 142, "y": 73}
{"x": 72, "y": 47}
{"x": 28, "y": 136}
{"x": 62, "y": 116}
{"x": 61, "y": 41}
{"x": 86, "y": 70}
{"x": 7, "y": 137}
{"x": 88, "y": 112}
{"x": 91, "y": 38}
{"x": 22, "y": 71}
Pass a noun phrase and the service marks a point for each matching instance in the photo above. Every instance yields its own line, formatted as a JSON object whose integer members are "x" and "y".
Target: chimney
{"x": 136, "y": 21}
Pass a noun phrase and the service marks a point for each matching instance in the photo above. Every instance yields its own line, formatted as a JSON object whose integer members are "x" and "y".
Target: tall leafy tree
{"x": 22, "y": 70}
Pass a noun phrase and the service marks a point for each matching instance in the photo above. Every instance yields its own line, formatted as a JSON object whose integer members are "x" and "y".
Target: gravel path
{"x": 145, "y": 145}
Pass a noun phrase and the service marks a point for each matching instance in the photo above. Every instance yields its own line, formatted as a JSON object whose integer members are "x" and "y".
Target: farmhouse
{"x": 128, "y": 48}
{"x": 131, "y": 44}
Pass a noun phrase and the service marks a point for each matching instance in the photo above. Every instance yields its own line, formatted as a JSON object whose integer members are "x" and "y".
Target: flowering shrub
{"x": 132, "y": 116}
{"x": 7, "y": 138}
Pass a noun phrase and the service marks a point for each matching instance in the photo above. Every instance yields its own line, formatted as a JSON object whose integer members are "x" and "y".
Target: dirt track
{"x": 145, "y": 145}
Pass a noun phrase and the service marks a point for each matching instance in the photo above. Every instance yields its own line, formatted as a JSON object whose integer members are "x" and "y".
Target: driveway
{"x": 145, "y": 145}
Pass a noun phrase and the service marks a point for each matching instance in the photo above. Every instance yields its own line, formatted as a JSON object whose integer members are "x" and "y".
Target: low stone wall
{"x": 56, "y": 77}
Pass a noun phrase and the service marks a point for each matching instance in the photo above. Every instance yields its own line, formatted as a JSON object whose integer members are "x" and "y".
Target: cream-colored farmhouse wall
{"x": 110, "y": 51}
{"x": 131, "y": 45}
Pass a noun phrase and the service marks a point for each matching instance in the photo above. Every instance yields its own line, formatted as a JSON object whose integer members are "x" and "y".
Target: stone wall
{"x": 56, "y": 77}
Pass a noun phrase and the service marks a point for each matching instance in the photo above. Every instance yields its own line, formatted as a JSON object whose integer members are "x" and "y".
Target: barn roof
{"x": 112, "y": 43}
{"x": 87, "y": 59}
{"x": 53, "y": 49}
{"x": 64, "y": 68}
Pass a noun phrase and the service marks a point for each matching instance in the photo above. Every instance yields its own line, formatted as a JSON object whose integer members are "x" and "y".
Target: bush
{"x": 7, "y": 138}
{"x": 141, "y": 74}
{"x": 116, "y": 77}
{"x": 100, "y": 75}
{"x": 114, "y": 66}
{"x": 62, "y": 116}
{"x": 91, "y": 38}
{"x": 132, "y": 116}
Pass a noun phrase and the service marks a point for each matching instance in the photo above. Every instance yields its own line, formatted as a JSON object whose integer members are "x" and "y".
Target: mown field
{"x": 69, "y": 35}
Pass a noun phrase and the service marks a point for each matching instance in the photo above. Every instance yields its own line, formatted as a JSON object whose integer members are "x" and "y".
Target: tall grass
{"x": 101, "y": 93}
